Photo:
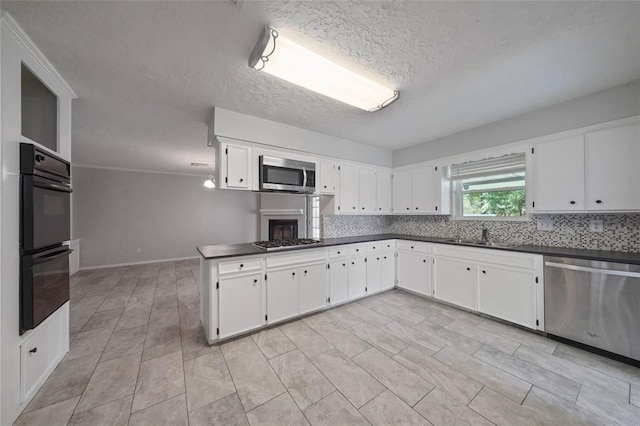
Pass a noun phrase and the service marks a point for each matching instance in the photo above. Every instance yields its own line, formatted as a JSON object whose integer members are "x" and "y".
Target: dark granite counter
{"x": 234, "y": 250}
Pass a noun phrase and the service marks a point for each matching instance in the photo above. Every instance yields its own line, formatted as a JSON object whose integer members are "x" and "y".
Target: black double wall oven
{"x": 45, "y": 227}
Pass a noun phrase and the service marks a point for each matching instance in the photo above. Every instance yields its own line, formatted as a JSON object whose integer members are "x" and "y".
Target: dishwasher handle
{"x": 593, "y": 270}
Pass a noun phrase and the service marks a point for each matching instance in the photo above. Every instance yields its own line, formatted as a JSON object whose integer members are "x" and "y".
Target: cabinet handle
{"x": 325, "y": 187}
{"x": 385, "y": 257}
{"x": 379, "y": 208}
{"x": 484, "y": 272}
{"x": 241, "y": 265}
{"x": 412, "y": 247}
{"x": 33, "y": 351}
{"x": 241, "y": 180}
{"x": 572, "y": 202}
{"x": 424, "y": 260}
{"x": 293, "y": 274}
{"x": 468, "y": 269}
{"x": 344, "y": 264}
{"x": 377, "y": 258}
{"x": 416, "y": 208}
{"x": 357, "y": 249}
{"x": 363, "y": 208}
{"x": 353, "y": 208}
{"x": 598, "y": 201}
{"x": 305, "y": 272}
{"x": 255, "y": 281}
{"x": 338, "y": 252}
{"x": 407, "y": 208}
{"x": 353, "y": 263}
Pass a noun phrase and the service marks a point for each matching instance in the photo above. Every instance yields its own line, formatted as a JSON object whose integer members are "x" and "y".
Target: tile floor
{"x": 138, "y": 357}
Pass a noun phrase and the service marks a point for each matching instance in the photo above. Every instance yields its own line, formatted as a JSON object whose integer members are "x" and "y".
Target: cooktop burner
{"x": 284, "y": 244}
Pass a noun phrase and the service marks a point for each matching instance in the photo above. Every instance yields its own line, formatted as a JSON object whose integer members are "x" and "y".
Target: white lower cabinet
{"x": 508, "y": 293}
{"x": 388, "y": 271}
{"x": 283, "y": 300}
{"x": 414, "y": 272}
{"x": 374, "y": 269}
{"x": 240, "y": 304}
{"x": 338, "y": 281}
{"x": 455, "y": 282}
{"x": 357, "y": 277}
{"x": 313, "y": 287}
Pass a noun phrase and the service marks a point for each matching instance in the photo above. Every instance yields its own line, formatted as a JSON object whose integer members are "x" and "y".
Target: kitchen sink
{"x": 480, "y": 243}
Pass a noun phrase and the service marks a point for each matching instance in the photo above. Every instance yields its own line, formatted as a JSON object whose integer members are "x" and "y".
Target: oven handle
{"x": 304, "y": 179}
{"x": 47, "y": 258}
{"x": 52, "y": 186}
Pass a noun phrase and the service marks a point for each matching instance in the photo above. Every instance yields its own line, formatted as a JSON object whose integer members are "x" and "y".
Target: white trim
{"x": 144, "y": 262}
{"x": 275, "y": 212}
{"x": 30, "y": 46}
{"x": 119, "y": 169}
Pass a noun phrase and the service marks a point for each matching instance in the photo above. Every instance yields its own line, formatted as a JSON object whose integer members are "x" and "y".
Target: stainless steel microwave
{"x": 284, "y": 175}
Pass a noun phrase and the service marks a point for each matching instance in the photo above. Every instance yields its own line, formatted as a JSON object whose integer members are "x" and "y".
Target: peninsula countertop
{"x": 221, "y": 251}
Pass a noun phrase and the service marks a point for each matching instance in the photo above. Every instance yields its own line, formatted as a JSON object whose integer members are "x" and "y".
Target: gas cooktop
{"x": 284, "y": 244}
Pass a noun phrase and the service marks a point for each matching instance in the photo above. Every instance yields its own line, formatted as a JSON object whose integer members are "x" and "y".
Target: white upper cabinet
{"x": 558, "y": 175}
{"x": 367, "y": 196}
{"x": 349, "y": 199}
{"x": 424, "y": 190}
{"x": 235, "y": 167}
{"x": 403, "y": 191}
{"x": 328, "y": 177}
{"x": 383, "y": 192}
{"x": 613, "y": 169}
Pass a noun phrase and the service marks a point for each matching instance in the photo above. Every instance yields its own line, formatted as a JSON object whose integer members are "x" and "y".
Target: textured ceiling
{"x": 148, "y": 73}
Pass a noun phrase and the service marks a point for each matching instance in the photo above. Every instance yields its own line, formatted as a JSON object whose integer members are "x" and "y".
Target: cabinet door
{"x": 374, "y": 270}
{"x": 414, "y": 272}
{"x": 613, "y": 156}
{"x": 313, "y": 287}
{"x": 328, "y": 177}
{"x": 338, "y": 281}
{"x": 424, "y": 190}
{"x": 349, "y": 189}
{"x": 509, "y": 294}
{"x": 387, "y": 271}
{"x": 403, "y": 191}
{"x": 283, "y": 300}
{"x": 383, "y": 192}
{"x": 238, "y": 166}
{"x": 357, "y": 277}
{"x": 558, "y": 175}
{"x": 240, "y": 304}
{"x": 455, "y": 282}
{"x": 367, "y": 190}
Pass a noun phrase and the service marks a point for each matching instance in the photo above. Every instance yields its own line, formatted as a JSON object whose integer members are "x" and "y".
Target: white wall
{"x": 165, "y": 215}
{"x": 236, "y": 125}
{"x": 607, "y": 105}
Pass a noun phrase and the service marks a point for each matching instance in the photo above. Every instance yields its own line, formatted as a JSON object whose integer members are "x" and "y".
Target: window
{"x": 314, "y": 216}
{"x": 494, "y": 187}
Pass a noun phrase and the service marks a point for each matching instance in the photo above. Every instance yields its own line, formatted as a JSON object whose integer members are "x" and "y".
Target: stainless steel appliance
{"x": 594, "y": 303}
{"x": 272, "y": 245}
{"x": 284, "y": 175}
{"x": 45, "y": 212}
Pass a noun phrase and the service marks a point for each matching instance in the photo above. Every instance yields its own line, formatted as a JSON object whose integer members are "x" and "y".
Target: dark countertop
{"x": 234, "y": 250}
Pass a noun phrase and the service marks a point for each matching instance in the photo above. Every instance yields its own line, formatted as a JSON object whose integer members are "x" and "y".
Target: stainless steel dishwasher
{"x": 594, "y": 303}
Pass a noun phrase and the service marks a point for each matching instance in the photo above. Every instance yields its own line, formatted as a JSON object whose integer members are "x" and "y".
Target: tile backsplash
{"x": 621, "y": 231}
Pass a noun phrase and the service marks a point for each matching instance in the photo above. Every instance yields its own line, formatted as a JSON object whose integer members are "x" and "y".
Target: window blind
{"x": 511, "y": 163}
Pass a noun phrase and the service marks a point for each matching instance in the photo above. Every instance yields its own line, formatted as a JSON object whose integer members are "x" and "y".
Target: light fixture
{"x": 210, "y": 183}
{"x": 289, "y": 61}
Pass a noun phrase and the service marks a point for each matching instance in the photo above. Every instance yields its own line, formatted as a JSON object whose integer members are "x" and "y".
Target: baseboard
{"x": 144, "y": 262}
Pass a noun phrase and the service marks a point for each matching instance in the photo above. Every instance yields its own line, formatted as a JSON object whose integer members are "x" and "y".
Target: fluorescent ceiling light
{"x": 210, "y": 183}
{"x": 289, "y": 61}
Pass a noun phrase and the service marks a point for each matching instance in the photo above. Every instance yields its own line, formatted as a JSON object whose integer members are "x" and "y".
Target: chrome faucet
{"x": 485, "y": 234}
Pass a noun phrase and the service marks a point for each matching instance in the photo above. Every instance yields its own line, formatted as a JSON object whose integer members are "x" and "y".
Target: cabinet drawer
{"x": 42, "y": 350}
{"x": 242, "y": 265}
{"x": 381, "y": 246}
{"x": 357, "y": 250}
{"x": 301, "y": 258}
{"x": 339, "y": 252}
{"x": 414, "y": 246}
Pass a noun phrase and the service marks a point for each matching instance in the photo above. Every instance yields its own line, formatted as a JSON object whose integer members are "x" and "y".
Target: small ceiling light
{"x": 289, "y": 61}
{"x": 210, "y": 183}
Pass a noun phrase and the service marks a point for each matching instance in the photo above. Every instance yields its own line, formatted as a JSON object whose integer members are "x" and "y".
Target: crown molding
{"x": 10, "y": 23}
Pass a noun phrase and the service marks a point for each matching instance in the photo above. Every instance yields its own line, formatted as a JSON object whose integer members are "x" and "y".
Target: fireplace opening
{"x": 280, "y": 229}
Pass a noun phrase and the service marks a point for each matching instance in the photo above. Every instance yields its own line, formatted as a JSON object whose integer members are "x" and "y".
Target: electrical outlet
{"x": 596, "y": 225}
{"x": 138, "y": 250}
{"x": 545, "y": 224}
